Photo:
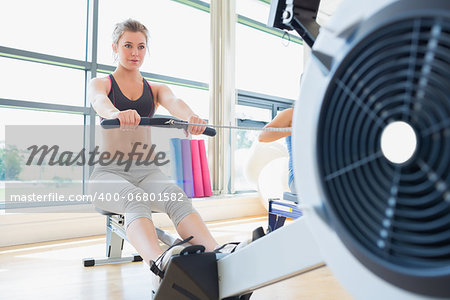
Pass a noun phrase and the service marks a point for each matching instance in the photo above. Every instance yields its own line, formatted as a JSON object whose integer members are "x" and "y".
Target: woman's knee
{"x": 119, "y": 197}
{"x": 178, "y": 209}
{"x": 132, "y": 218}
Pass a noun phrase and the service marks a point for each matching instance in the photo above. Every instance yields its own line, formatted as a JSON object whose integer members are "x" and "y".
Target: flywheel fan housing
{"x": 375, "y": 65}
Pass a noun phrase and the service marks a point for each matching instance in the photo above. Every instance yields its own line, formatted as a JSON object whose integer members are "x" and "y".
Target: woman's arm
{"x": 97, "y": 94}
{"x": 282, "y": 120}
{"x": 178, "y": 108}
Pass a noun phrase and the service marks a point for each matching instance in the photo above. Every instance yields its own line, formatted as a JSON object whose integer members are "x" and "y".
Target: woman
{"x": 282, "y": 120}
{"x": 127, "y": 96}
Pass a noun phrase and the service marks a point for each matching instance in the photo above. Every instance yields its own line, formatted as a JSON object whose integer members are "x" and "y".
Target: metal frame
{"x": 264, "y": 261}
{"x": 44, "y": 58}
{"x": 91, "y": 55}
{"x": 270, "y": 30}
{"x": 272, "y": 103}
{"x": 279, "y": 255}
{"x": 23, "y": 104}
{"x": 279, "y": 210}
{"x": 115, "y": 237}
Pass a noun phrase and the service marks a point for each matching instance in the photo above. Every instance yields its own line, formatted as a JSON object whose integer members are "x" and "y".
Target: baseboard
{"x": 26, "y": 228}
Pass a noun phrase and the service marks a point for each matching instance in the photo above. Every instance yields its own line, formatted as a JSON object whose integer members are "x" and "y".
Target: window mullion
{"x": 222, "y": 93}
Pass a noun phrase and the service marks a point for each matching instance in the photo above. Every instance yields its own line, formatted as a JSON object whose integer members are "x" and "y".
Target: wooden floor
{"x": 54, "y": 270}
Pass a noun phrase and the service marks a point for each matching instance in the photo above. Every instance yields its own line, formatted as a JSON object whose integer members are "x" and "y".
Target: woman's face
{"x": 131, "y": 49}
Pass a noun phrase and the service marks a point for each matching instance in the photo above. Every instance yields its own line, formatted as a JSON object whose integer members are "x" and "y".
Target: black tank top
{"x": 145, "y": 105}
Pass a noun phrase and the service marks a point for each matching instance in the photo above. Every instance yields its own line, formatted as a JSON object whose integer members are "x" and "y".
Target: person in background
{"x": 282, "y": 120}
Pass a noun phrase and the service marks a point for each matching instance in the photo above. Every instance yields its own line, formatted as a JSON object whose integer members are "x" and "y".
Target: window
{"x": 254, "y": 9}
{"x": 46, "y": 26}
{"x": 197, "y": 99}
{"x": 243, "y": 112}
{"x": 20, "y": 174}
{"x": 269, "y": 64}
{"x": 30, "y": 81}
{"x": 47, "y": 31}
{"x": 179, "y": 43}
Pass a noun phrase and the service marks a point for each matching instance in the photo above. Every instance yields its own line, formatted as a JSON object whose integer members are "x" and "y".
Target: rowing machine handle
{"x": 160, "y": 122}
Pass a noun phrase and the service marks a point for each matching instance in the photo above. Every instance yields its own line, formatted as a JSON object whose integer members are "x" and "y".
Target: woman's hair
{"x": 128, "y": 25}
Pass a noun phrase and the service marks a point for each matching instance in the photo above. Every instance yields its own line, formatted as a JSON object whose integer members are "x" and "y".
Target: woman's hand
{"x": 196, "y": 129}
{"x": 129, "y": 119}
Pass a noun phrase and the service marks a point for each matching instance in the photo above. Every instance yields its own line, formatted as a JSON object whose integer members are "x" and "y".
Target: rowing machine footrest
{"x": 190, "y": 276}
{"x": 258, "y": 233}
{"x": 240, "y": 297}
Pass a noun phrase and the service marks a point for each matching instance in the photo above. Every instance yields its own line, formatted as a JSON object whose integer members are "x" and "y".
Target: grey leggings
{"x": 138, "y": 192}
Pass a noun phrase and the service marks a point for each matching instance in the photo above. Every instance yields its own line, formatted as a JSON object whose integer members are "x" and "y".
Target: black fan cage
{"x": 397, "y": 214}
